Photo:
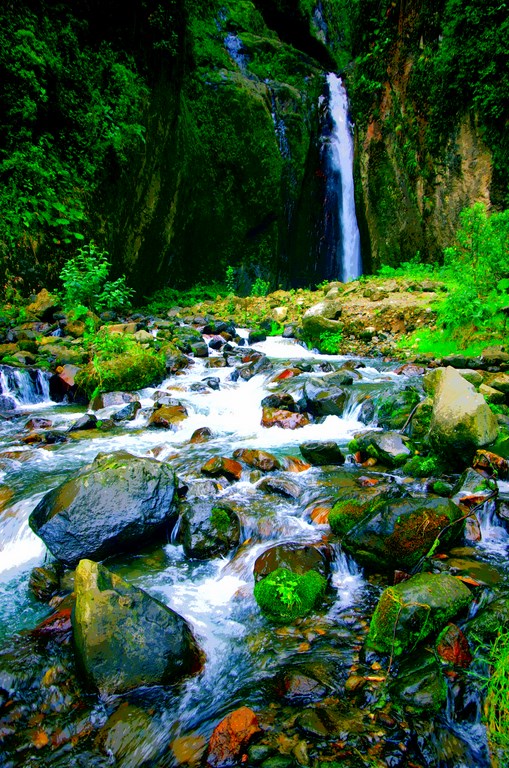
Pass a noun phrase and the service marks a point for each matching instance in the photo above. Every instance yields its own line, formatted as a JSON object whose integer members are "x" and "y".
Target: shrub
{"x": 330, "y": 342}
{"x": 284, "y": 596}
{"x": 260, "y": 287}
{"x": 85, "y": 281}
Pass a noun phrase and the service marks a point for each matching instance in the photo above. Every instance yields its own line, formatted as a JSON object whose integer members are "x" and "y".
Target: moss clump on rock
{"x": 424, "y": 466}
{"x": 284, "y": 596}
{"x": 348, "y": 512}
{"x": 134, "y": 370}
{"x": 220, "y": 519}
{"x": 409, "y": 612}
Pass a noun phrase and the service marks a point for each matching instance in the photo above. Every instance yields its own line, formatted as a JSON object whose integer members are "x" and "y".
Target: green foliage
{"x": 415, "y": 269}
{"x": 260, "y": 287}
{"x": 423, "y": 466}
{"x": 71, "y": 114}
{"x": 230, "y": 279}
{"x": 284, "y": 596}
{"x": 166, "y": 298}
{"x": 330, "y": 342}
{"x": 84, "y": 278}
{"x": 496, "y": 706}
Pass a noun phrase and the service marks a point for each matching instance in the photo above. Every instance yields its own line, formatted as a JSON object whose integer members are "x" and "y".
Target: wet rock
{"x": 201, "y": 435}
{"x": 288, "y": 373}
{"x": 321, "y": 454}
{"x": 176, "y": 361}
{"x": 44, "y": 582}
{"x": 298, "y": 558}
{"x": 293, "y": 464}
{"x": 56, "y": 627}
{"x": 389, "y": 448}
{"x": 280, "y": 485}
{"x": 124, "y": 638}
{"x": 255, "y": 336}
{"x": 207, "y": 529}
{"x": 129, "y": 736}
{"x": 106, "y": 508}
{"x": 128, "y": 412}
{"x": 212, "y": 382}
{"x": 491, "y": 463}
{"x": 231, "y": 738}
{"x": 462, "y": 421}
{"x": 490, "y": 619}
{"x": 394, "y": 410}
{"x": 398, "y": 534}
{"x": 167, "y": 416}
{"x": 284, "y": 596}
{"x": 473, "y": 488}
{"x": 277, "y": 417}
{"x": 38, "y": 423}
{"x": 7, "y": 403}
{"x": 297, "y": 687}
{"x": 409, "y": 612}
{"x": 322, "y": 317}
{"x": 258, "y": 365}
{"x": 452, "y": 647}
{"x": 331, "y": 722}
{"x": 106, "y": 399}
{"x": 87, "y": 421}
{"x": 261, "y": 460}
{"x": 62, "y": 385}
{"x": 220, "y": 466}
{"x": 282, "y": 401}
{"x": 420, "y": 685}
{"x": 324, "y": 399}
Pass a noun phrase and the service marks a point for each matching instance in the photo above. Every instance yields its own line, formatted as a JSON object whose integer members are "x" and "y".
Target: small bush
{"x": 284, "y": 596}
{"x": 85, "y": 281}
{"x": 260, "y": 287}
{"x": 129, "y": 370}
{"x": 330, "y": 342}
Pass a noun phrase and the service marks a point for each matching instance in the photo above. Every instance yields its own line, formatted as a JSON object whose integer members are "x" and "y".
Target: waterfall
{"x": 23, "y": 386}
{"x": 341, "y": 229}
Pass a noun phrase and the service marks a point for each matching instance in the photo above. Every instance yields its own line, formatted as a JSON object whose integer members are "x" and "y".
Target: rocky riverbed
{"x": 268, "y": 557}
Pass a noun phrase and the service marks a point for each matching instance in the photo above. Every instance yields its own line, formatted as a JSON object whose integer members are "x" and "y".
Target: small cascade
{"x": 346, "y": 578}
{"x": 234, "y": 46}
{"x": 26, "y": 386}
{"x": 341, "y": 229}
{"x": 280, "y": 128}
{"x": 494, "y": 535}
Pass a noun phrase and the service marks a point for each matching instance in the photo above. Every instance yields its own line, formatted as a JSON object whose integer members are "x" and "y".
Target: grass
{"x": 496, "y": 705}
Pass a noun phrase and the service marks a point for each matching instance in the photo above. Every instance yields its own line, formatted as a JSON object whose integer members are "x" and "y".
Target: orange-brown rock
{"x": 320, "y": 515}
{"x": 167, "y": 416}
{"x": 262, "y": 460}
{"x": 490, "y": 462}
{"x": 452, "y": 646}
{"x": 231, "y": 737}
{"x": 276, "y": 417}
{"x": 221, "y": 466}
{"x": 294, "y": 464}
{"x": 201, "y": 435}
{"x": 288, "y": 373}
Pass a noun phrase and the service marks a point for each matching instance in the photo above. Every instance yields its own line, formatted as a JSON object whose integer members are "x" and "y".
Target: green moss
{"x": 220, "y": 519}
{"x": 284, "y": 596}
{"x": 348, "y": 512}
{"x": 423, "y": 466}
{"x": 134, "y": 370}
{"x": 393, "y": 411}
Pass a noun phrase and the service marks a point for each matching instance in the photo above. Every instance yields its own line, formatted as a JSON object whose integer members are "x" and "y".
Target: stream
{"x": 247, "y": 658}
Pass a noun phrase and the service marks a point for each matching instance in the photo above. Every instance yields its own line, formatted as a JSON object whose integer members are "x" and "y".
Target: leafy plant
{"x": 260, "y": 287}
{"x": 330, "y": 342}
{"x": 230, "y": 279}
{"x": 284, "y": 595}
{"x": 85, "y": 282}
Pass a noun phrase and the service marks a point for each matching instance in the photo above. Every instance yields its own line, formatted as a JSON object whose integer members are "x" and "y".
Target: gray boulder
{"x": 106, "y": 508}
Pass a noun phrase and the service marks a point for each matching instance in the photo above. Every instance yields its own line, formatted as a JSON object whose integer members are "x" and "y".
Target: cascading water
{"x": 341, "y": 229}
{"x": 23, "y": 387}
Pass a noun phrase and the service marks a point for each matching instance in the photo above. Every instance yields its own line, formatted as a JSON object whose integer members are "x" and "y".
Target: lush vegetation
{"x": 496, "y": 705}
{"x": 85, "y": 281}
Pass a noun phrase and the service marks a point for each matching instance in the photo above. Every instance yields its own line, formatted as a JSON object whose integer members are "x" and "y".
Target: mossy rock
{"x": 399, "y": 533}
{"x": 389, "y": 448}
{"x": 409, "y": 612}
{"x": 421, "y": 421}
{"x": 393, "y": 411}
{"x": 130, "y": 371}
{"x": 424, "y": 466}
{"x": 208, "y": 530}
{"x": 346, "y": 513}
{"x": 420, "y": 685}
{"x": 124, "y": 638}
{"x": 284, "y": 596}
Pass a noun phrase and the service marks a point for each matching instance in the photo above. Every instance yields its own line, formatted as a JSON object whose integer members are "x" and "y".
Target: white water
{"x": 341, "y": 149}
{"x": 25, "y": 387}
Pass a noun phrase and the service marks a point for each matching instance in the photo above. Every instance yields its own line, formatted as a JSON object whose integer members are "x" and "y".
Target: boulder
{"x": 208, "y": 529}
{"x": 462, "y": 421}
{"x": 128, "y": 412}
{"x": 322, "y": 317}
{"x": 283, "y": 401}
{"x": 389, "y": 448}
{"x": 397, "y": 534}
{"x": 44, "y": 305}
{"x": 409, "y": 612}
{"x": 107, "y": 508}
{"x": 124, "y": 638}
{"x": 221, "y": 466}
{"x": 167, "y": 416}
{"x": 420, "y": 685}
{"x": 321, "y": 454}
{"x": 394, "y": 410}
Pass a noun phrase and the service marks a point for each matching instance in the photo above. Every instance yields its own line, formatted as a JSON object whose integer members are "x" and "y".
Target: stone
{"x": 201, "y": 435}
{"x": 128, "y": 412}
{"x": 453, "y": 648}
{"x": 462, "y": 421}
{"x": 207, "y": 529}
{"x": 124, "y": 638}
{"x": 491, "y": 463}
{"x": 420, "y": 685}
{"x": 167, "y": 416}
{"x": 107, "y": 399}
{"x": 409, "y": 612}
{"x": 281, "y": 401}
{"x": 44, "y": 582}
{"x": 398, "y": 534}
{"x": 324, "y": 398}
{"x": 257, "y": 459}
{"x": 278, "y": 417}
{"x": 44, "y": 305}
{"x": 106, "y": 508}
{"x": 129, "y": 736}
{"x": 492, "y": 395}
{"x": 322, "y": 317}
{"x": 220, "y": 466}
{"x": 389, "y": 448}
{"x": 322, "y": 453}
{"x": 62, "y": 385}
{"x": 231, "y": 737}
{"x": 87, "y": 421}
{"x": 281, "y": 485}
{"x": 299, "y": 688}
{"x": 298, "y": 558}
